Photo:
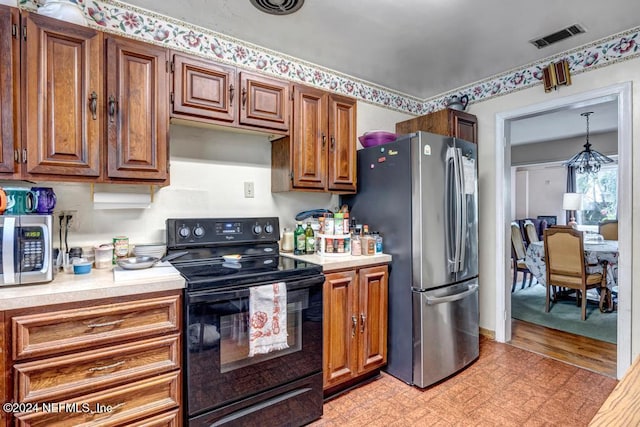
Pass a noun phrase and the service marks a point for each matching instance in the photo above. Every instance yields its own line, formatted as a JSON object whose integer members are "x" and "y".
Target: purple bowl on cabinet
{"x": 378, "y": 137}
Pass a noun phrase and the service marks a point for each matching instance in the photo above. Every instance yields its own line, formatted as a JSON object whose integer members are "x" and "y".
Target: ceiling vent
{"x": 565, "y": 33}
{"x": 278, "y": 7}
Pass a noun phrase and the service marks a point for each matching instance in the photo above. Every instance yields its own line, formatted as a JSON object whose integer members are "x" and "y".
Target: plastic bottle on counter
{"x": 368, "y": 242}
{"x": 300, "y": 240}
{"x": 356, "y": 244}
{"x": 310, "y": 241}
{"x": 378, "y": 238}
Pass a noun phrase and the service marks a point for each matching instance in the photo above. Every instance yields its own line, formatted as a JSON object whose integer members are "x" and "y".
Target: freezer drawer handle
{"x": 451, "y": 298}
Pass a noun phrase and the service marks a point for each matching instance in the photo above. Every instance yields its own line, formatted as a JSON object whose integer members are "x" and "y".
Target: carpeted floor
{"x": 528, "y": 305}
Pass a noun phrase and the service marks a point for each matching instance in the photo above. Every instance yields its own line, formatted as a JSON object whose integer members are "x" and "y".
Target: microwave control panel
{"x": 32, "y": 242}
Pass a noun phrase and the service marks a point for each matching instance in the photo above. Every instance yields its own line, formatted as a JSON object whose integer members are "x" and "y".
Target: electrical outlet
{"x": 249, "y": 190}
{"x": 74, "y": 220}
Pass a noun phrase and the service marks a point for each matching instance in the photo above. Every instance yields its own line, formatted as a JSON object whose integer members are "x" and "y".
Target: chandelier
{"x": 588, "y": 161}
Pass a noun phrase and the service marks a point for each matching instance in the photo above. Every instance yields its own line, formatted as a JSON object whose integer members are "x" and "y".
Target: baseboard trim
{"x": 488, "y": 333}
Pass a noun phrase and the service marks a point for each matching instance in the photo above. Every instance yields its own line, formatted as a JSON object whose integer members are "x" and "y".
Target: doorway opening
{"x": 621, "y": 94}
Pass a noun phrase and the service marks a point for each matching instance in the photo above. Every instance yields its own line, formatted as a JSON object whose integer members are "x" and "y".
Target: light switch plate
{"x": 249, "y": 190}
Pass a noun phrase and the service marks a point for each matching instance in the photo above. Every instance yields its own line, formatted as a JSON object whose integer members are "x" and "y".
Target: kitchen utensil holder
{"x": 326, "y": 239}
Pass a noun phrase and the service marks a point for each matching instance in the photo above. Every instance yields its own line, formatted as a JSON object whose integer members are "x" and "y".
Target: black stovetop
{"x": 218, "y": 273}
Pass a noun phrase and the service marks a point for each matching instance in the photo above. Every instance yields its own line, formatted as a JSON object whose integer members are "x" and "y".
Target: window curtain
{"x": 571, "y": 188}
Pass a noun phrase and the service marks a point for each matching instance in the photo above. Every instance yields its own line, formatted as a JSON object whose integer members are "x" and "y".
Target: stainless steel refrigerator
{"x": 420, "y": 192}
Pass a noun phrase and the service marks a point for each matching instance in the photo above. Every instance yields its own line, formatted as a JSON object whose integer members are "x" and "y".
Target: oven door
{"x": 219, "y": 370}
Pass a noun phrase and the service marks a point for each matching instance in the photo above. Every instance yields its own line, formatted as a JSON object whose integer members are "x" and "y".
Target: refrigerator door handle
{"x": 450, "y": 227}
{"x": 463, "y": 210}
{"x": 452, "y": 298}
{"x": 457, "y": 168}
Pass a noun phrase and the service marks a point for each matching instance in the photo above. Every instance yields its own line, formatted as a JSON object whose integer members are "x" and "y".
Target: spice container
{"x": 120, "y": 248}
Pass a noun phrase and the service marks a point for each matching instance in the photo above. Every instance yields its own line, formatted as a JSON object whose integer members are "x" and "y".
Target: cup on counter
{"x": 103, "y": 256}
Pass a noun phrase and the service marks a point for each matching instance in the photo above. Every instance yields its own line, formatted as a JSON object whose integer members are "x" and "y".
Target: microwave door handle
{"x": 8, "y": 256}
{"x": 47, "y": 250}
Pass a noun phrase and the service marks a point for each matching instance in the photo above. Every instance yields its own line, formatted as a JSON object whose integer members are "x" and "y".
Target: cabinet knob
{"x": 363, "y": 320}
{"x": 232, "y": 91}
{"x": 324, "y": 140}
{"x": 333, "y": 143}
{"x": 244, "y": 97}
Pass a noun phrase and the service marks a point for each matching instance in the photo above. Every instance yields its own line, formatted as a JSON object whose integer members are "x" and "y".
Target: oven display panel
{"x": 227, "y": 228}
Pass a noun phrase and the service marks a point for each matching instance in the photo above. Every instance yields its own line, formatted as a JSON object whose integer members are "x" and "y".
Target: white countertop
{"x": 105, "y": 283}
{"x": 341, "y": 262}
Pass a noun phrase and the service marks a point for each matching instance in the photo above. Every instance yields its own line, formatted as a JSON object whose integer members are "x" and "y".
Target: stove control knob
{"x": 198, "y": 231}
{"x": 184, "y": 231}
{"x": 257, "y": 229}
{"x": 268, "y": 228}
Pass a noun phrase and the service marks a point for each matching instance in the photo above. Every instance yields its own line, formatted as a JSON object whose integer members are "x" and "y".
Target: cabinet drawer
{"x": 167, "y": 419}
{"x": 136, "y": 401}
{"x": 56, "y": 378}
{"x": 66, "y": 330}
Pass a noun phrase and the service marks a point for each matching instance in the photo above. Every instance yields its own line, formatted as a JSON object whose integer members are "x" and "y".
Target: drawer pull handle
{"x": 354, "y": 325}
{"x": 104, "y": 368}
{"x": 112, "y": 409}
{"x": 363, "y": 320}
{"x": 102, "y": 325}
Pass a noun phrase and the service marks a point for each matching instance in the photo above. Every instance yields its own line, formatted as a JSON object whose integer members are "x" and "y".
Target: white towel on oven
{"x": 267, "y": 318}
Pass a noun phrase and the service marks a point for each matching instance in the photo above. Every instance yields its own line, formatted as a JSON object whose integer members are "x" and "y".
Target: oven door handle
{"x": 239, "y": 291}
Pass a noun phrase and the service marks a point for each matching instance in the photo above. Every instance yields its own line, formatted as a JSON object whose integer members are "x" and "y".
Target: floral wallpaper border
{"x": 121, "y": 18}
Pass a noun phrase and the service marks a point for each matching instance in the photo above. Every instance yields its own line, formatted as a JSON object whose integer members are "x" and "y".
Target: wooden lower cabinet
{"x": 105, "y": 362}
{"x": 355, "y": 324}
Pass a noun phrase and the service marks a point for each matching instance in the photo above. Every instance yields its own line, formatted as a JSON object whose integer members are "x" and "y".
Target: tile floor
{"x": 506, "y": 386}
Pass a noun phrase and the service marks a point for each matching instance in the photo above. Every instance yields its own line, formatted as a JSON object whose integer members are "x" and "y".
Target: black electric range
{"x": 225, "y": 258}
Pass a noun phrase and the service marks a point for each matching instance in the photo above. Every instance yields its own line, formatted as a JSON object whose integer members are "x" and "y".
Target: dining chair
{"x": 608, "y": 229}
{"x": 530, "y": 232}
{"x": 565, "y": 267}
{"x": 518, "y": 254}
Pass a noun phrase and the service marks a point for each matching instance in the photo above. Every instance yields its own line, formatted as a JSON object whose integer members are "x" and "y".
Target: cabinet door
{"x": 342, "y": 144}
{"x": 340, "y": 328}
{"x": 372, "y": 328}
{"x": 9, "y": 88}
{"x": 264, "y": 102}
{"x": 463, "y": 125}
{"x": 137, "y": 110}
{"x": 61, "y": 123}
{"x": 309, "y": 138}
{"x": 203, "y": 89}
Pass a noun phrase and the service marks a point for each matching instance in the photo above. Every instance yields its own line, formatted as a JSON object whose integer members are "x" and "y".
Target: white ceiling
{"x": 422, "y": 48}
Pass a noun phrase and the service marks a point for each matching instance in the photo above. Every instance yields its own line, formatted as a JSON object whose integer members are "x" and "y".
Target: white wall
{"x": 486, "y": 111}
{"x": 539, "y": 190}
{"x": 208, "y": 171}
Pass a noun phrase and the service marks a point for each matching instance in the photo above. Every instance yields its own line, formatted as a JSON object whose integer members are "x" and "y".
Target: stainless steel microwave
{"x": 25, "y": 249}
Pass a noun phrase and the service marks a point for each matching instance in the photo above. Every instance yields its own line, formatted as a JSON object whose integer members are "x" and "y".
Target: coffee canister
{"x": 120, "y": 247}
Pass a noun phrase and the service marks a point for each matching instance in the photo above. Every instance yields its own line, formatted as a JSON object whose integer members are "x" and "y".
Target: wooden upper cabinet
{"x": 62, "y": 96}
{"x": 209, "y": 92}
{"x": 9, "y": 89}
{"x": 448, "y": 122}
{"x": 342, "y": 146}
{"x": 202, "y": 89}
{"x": 320, "y": 154}
{"x": 309, "y": 138}
{"x": 137, "y": 119}
{"x": 264, "y": 102}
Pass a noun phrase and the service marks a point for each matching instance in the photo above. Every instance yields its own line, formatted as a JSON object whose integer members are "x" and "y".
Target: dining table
{"x": 595, "y": 253}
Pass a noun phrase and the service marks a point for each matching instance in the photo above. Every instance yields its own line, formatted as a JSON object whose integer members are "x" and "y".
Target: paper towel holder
{"x": 121, "y": 200}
